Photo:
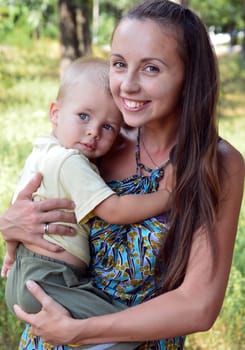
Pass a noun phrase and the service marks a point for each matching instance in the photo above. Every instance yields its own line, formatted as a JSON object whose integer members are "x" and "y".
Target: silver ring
{"x": 46, "y": 229}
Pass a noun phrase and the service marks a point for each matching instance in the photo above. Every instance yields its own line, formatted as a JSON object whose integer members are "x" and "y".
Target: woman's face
{"x": 146, "y": 72}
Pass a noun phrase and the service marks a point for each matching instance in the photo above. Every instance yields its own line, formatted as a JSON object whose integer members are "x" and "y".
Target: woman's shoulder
{"x": 229, "y": 154}
{"x": 231, "y": 158}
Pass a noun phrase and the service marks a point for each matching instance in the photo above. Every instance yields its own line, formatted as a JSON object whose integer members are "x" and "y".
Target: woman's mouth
{"x": 133, "y": 105}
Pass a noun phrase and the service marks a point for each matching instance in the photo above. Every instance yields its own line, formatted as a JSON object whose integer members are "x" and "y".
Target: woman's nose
{"x": 130, "y": 83}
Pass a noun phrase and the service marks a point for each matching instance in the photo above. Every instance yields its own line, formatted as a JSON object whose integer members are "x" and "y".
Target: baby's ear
{"x": 54, "y": 112}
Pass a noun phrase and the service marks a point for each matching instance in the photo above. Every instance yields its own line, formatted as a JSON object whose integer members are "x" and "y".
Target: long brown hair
{"x": 196, "y": 196}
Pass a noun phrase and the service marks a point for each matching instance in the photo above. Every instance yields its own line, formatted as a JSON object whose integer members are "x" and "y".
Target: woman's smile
{"x": 134, "y": 105}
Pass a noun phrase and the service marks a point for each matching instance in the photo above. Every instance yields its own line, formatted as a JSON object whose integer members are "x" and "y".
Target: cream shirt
{"x": 66, "y": 174}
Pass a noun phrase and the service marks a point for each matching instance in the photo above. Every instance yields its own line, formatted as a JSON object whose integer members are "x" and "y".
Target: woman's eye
{"x": 118, "y": 64}
{"x": 83, "y": 116}
{"x": 152, "y": 69}
{"x": 108, "y": 127}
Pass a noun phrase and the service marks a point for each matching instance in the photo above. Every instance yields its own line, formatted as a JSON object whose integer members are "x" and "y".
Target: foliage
{"x": 28, "y": 82}
{"x": 29, "y": 18}
{"x": 228, "y": 333}
{"x": 35, "y": 18}
{"x": 121, "y": 6}
{"x": 105, "y": 29}
{"x": 223, "y": 14}
{"x": 232, "y": 75}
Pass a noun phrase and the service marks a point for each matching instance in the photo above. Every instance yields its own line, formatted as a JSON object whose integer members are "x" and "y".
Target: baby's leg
{"x": 25, "y": 266}
{"x": 64, "y": 283}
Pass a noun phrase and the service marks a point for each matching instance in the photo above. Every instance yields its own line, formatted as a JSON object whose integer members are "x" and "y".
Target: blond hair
{"x": 94, "y": 68}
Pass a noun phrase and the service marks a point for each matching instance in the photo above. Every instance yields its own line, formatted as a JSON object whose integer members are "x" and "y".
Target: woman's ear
{"x": 54, "y": 112}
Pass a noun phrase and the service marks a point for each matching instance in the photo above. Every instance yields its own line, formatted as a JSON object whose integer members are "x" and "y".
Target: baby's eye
{"x": 152, "y": 69}
{"x": 108, "y": 127}
{"x": 83, "y": 116}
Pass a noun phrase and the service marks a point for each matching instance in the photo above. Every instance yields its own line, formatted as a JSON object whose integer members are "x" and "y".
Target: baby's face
{"x": 87, "y": 120}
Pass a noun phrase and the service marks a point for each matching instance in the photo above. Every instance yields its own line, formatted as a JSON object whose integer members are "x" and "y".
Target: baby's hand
{"x": 7, "y": 265}
{"x": 169, "y": 180}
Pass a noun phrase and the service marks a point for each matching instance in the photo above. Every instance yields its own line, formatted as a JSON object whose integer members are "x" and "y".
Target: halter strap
{"x": 158, "y": 172}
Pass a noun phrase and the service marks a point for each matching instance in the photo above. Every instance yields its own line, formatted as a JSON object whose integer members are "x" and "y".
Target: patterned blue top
{"x": 123, "y": 257}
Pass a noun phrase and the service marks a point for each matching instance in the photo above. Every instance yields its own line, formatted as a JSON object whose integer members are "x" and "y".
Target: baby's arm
{"x": 91, "y": 194}
{"x": 9, "y": 257}
{"x": 133, "y": 207}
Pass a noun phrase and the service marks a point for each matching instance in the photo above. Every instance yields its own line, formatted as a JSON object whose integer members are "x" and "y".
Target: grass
{"x": 28, "y": 82}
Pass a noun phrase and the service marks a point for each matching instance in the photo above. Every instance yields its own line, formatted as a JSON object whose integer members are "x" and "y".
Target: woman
{"x": 164, "y": 79}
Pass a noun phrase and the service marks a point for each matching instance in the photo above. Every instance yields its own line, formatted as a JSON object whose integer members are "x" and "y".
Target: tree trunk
{"x": 96, "y": 15}
{"x": 74, "y": 30}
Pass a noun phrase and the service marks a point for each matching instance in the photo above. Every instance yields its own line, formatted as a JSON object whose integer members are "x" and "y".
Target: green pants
{"x": 64, "y": 283}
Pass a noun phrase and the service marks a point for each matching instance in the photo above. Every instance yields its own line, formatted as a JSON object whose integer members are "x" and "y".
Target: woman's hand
{"x": 25, "y": 219}
{"x": 51, "y": 318}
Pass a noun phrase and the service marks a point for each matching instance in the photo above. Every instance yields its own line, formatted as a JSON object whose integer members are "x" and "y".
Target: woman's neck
{"x": 156, "y": 144}
{"x": 120, "y": 162}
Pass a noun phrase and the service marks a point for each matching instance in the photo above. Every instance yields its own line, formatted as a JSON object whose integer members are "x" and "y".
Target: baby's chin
{"x": 93, "y": 156}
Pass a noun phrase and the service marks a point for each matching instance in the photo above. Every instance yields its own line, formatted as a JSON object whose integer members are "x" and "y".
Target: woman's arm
{"x": 192, "y": 307}
{"x": 25, "y": 219}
